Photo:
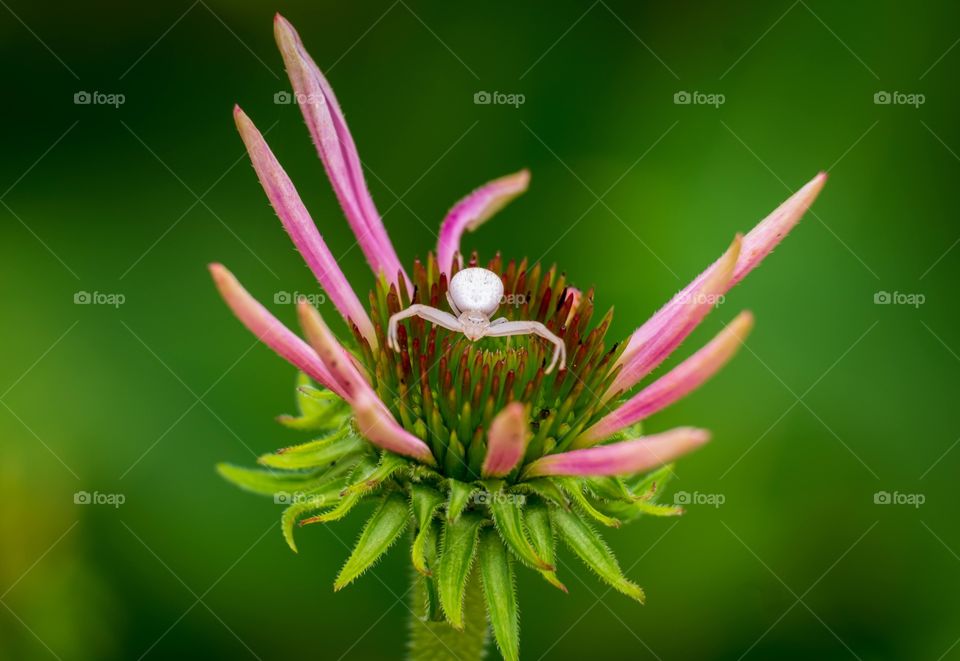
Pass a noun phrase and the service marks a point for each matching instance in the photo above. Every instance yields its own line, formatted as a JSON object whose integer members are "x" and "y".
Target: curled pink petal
{"x": 667, "y": 329}
{"x": 757, "y": 244}
{"x": 270, "y": 331}
{"x": 296, "y": 220}
{"x": 380, "y": 428}
{"x": 337, "y": 150}
{"x": 334, "y": 356}
{"x": 621, "y": 458}
{"x": 506, "y": 442}
{"x": 474, "y": 210}
{"x": 677, "y": 383}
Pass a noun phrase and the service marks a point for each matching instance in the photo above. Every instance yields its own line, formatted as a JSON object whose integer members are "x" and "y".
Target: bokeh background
{"x": 135, "y": 395}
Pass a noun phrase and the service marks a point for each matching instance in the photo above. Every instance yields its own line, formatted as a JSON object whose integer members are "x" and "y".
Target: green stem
{"x": 433, "y": 639}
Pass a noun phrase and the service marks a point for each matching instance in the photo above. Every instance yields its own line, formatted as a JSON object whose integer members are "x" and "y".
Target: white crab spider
{"x": 474, "y": 295}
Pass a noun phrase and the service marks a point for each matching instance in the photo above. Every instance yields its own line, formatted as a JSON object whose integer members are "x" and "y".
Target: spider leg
{"x": 506, "y": 328}
{"x": 433, "y": 315}
{"x": 498, "y": 321}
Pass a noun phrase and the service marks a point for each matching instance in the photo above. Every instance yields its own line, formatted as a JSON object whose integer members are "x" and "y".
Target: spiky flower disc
{"x": 472, "y": 446}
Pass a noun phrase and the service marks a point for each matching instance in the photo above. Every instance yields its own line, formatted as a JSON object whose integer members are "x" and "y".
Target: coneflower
{"x": 475, "y": 447}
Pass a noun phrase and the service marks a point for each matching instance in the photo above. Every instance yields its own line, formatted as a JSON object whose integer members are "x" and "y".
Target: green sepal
{"x": 321, "y": 452}
{"x": 434, "y": 611}
{"x": 268, "y": 482}
{"x": 319, "y": 409}
{"x": 573, "y": 487}
{"x": 379, "y": 533}
{"x": 309, "y": 502}
{"x": 458, "y": 547}
{"x": 341, "y": 510}
{"x": 311, "y": 400}
{"x": 537, "y": 518}
{"x": 656, "y": 509}
{"x": 425, "y": 501}
{"x": 508, "y": 519}
{"x": 501, "y": 595}
{"x": 609, "y": 488}
{"x": 460, "y": 493}
{"x": 389, "y": 464}
{"x": 593, "y": 551}
{"x": 546, "y": 489}
{"x": 651, "y": 485}
{"x": 361, "y": 472}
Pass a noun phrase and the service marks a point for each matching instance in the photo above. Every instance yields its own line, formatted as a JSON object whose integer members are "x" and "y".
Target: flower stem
{"x": 433, "y": 639}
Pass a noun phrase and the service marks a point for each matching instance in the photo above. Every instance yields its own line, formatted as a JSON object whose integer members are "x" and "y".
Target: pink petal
{"x": 331, "y": 352}
{"x": 621, "y": 458}
{"x": 296, "y": 220}
{"x": 270, "y": 331}
{"x": 379, "y": 427}
{"x": 757, "y": 244}
{"x": 664, "y": 332}
{"x": 373, "y": 418}
{"x": 677, "y": 383}
{"x": 474, "y": 210}
{"x": 338, "y": 152}
{"x": 506, "y": 442}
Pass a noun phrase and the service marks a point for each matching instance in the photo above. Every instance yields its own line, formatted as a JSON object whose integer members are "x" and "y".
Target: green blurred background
{"x": 836, "y": 399}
